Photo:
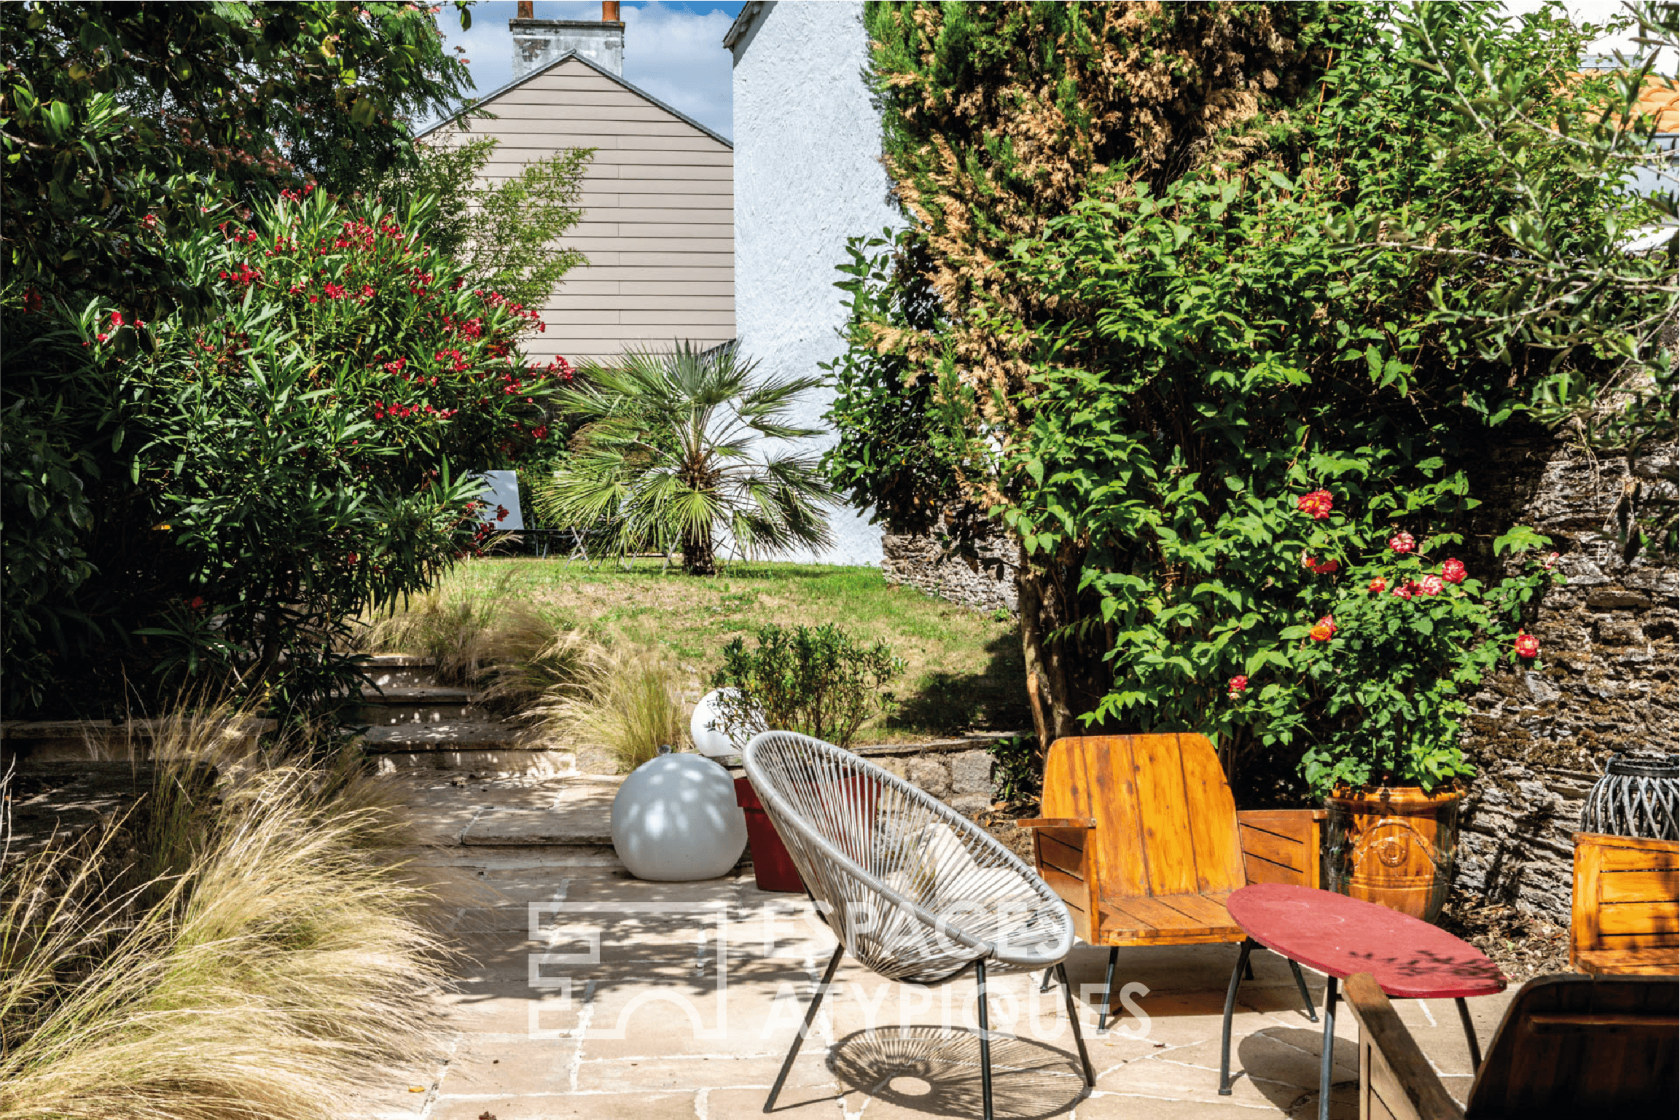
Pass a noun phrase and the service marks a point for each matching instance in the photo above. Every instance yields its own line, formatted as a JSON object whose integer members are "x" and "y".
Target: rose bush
{"x": 1374, "y": 690}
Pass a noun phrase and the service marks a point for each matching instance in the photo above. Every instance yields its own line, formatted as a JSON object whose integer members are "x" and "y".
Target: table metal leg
{"x": 1301, "y": 985}
{"x": 1470, "y": 1035}
{"x": 1230, "y": 1005}
{"x": 1329, "y": 1057}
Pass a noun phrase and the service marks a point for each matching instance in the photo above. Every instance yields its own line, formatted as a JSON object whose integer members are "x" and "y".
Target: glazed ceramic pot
{"x": 1392, "y": 845}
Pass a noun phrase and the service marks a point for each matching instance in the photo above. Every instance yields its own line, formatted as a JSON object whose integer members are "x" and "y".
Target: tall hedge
{"x": 1155, "y": 284}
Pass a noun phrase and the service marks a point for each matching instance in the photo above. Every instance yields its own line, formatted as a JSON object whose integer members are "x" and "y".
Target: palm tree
{"x": 669, "y": 454}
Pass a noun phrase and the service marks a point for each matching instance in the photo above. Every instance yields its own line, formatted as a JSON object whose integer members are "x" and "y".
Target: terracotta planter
{"x": 773, "y": 868}
{"x": 1395, "y": 846}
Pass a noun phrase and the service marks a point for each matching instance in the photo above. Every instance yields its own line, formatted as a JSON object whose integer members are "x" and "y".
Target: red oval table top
{"x": 1340, "y": 936}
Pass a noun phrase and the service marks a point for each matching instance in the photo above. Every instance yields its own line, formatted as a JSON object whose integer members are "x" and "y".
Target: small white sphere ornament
{"x": 706, "y": 726}
{"x": 675, "y": 820}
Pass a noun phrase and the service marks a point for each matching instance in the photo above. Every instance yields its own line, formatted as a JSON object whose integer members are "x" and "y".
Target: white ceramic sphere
{"x": 706, "y": 726}
{"x": 675, "y": 820}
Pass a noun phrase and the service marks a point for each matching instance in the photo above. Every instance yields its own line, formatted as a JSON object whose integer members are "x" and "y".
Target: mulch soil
{"x": 1523, "y": 945}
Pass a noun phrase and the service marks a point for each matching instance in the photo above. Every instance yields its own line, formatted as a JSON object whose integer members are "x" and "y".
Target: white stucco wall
{"x": 807, "y": 177}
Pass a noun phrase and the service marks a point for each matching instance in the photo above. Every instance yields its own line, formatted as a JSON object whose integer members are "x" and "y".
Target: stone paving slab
{"x": 584, "y": 993}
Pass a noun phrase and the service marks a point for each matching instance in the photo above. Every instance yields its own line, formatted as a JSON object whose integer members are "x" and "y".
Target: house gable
{"x": 658, "y": 202}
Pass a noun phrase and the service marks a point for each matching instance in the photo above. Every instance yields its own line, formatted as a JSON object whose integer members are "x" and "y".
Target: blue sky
{"x": 672, "y": 50}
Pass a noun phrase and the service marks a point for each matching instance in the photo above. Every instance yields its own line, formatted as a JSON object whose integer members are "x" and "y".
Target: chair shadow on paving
{"x": 936, "y": 1071}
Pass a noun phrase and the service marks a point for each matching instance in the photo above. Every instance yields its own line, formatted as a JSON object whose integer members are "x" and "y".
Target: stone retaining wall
{"x": 1608, "y": 639}
{"x": 921, "y": 560}
{"x": 957, "y": 771}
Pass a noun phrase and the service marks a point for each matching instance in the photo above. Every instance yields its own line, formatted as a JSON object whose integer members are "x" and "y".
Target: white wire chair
{"x": 914, "y": 890}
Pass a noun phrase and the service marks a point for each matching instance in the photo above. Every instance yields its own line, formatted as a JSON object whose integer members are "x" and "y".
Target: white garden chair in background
{"x": 915, "y": 891}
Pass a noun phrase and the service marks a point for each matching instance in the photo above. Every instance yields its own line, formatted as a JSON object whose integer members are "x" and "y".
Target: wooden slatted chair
{"x": 1569, "y": 1046}
{"x": 1141, "y": 838}
{"x": 1625, "y": 917}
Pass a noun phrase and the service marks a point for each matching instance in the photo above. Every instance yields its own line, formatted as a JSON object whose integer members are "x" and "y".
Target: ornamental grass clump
{"x": 247, "y": 948}
{"x": 1392, "y": 639}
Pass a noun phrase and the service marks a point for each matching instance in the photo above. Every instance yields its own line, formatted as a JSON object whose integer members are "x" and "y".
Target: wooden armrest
{"x": 1397, "y": 1066}
{"x": 1057, "y": 822}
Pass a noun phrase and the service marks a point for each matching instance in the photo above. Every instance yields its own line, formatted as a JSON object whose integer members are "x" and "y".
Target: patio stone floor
{"x": 584, "y": 993}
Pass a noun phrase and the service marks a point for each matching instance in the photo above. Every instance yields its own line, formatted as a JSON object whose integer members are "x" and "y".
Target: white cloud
{"x": 673, "y": 52}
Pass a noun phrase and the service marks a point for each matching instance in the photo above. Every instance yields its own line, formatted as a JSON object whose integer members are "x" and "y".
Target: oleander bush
{"x": 303, "y": 454}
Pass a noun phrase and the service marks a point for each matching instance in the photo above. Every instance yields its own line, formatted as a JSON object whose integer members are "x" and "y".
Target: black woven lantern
{"x": 1639, "y": 795}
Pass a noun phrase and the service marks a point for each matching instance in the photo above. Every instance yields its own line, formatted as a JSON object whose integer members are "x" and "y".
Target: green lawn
{"x": 964, "y": 669}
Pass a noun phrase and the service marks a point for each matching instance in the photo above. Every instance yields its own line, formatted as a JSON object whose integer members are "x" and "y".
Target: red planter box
{"x": 773, "y": 868}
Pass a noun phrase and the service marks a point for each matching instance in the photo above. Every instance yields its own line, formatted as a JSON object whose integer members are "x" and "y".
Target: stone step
{"x": 428, "y": 704}
{"x": 401, "y": 670}
{"x": 484, "y": 746}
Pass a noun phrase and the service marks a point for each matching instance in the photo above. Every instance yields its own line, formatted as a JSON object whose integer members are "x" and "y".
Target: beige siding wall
{"x": 658, "y": 223}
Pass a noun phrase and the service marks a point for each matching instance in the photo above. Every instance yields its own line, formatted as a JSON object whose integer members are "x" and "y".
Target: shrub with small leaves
{"x": 817, "y": 680}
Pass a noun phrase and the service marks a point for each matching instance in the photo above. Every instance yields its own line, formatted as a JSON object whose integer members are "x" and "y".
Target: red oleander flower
{"x": 1378, "y": 585}
{"x": 1430, "y": 585}
{"x": 1319, "y": 504}
{"x": 1528, "y": 646}
{"x": 1453, "y": 571}
{"x": 1238, "y": 685}
{"x": 1324, "y": 630}
{"x": 1402, "y": 542}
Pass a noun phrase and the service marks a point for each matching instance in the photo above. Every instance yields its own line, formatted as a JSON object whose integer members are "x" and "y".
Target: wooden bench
{"x": 1625, "y": 916}
{"x": 1569, "y": 1046}
{"x": 1141, "y": 838}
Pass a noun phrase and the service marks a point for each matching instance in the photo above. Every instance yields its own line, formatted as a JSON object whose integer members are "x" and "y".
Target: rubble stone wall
{"x": 1608, "y": 642}
{"x": 923, "y": 561}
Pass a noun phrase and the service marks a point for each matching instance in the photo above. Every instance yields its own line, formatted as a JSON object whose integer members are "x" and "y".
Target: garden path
{"x": 585, "y": 993}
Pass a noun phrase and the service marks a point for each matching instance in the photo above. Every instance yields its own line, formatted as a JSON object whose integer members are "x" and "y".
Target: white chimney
{"x": 538, "y": 42}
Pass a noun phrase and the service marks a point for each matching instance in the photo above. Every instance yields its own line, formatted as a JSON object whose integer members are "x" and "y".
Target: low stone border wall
{"x": 957, "y": 771}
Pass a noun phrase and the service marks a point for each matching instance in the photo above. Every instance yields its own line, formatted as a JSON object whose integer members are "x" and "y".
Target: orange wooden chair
{"x": 1142, "y": 840}
{"x": 1625, "y": 916}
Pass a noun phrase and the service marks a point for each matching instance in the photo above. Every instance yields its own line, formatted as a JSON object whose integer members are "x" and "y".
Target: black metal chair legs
{"x": 1059, "y": 971}
{"x": 805, "y": 1027}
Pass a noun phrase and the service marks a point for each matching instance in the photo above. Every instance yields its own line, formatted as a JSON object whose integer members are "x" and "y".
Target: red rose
{"x": 1378, "y": 585}
{"x": 1402, "y": 542}
{"x": 1528, "y": 646}
{"x": 1453, "y": 571}
{"x": 1324, "y": 630}
{"x": 1431, "y": 585}
{"x": 1239, "y": 683}
{"x": 1319, "y": 504}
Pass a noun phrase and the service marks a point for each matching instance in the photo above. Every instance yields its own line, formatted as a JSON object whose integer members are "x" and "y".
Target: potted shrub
{"x": 816, "y": 680}
{"x": 1394, "y": 636}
